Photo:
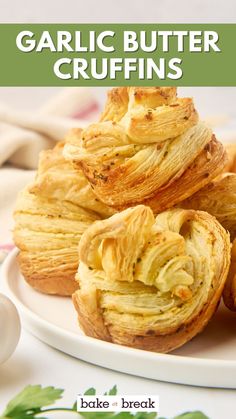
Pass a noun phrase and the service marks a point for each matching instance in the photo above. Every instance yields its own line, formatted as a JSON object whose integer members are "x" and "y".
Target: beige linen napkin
{"x": 24, "y": 133}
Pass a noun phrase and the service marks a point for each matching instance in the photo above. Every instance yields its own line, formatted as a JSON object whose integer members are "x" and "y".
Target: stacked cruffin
{"x": 148, "y": 148}
{"x": 139, "y": 205}
{"x": 50, "y": 217}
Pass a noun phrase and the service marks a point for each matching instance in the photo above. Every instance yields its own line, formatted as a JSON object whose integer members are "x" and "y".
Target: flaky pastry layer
{"x": 56, "y": 178}
{"x": 219, "y": 199}
{"x": 148, "y": 147}
{"x": 50, "y": 216}
{"x": 151, "y": 283}
{"x": 229, "y": 294}
{"x": 231, "y": 154}
{"x": 47, "y": 232}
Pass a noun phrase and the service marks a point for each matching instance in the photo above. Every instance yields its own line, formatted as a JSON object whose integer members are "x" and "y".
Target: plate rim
{"x": 168, "y": 360}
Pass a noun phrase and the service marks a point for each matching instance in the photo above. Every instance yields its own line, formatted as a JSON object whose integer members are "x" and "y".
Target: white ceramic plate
{"x": 208, "y": 360}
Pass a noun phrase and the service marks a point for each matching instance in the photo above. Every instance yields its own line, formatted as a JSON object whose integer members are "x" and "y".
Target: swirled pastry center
{"x": 151, "y": 271}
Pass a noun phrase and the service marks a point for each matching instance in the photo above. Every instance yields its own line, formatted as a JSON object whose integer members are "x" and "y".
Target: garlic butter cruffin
{"x": 56, "y": 178}
{"x": 152, "y": 275}
{"x": 229, "y": 294}
{"x": 151, "y": 283}
{"x": 148, "y": 147}
{"x": 219, "y": 199}
{"x": 50, "y": 216}
{"x": 231, "y": 154}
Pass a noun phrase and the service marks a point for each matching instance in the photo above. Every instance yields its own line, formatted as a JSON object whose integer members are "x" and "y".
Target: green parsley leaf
{"x": 113, "y": 391}
{"x": 124, "y": 415}
{"x": 192, "y": 415}
{"x": 97, "y": 415}
{"x": 90, "y": 392}
{"x": 74, "y": 407}
{"x": 29, "y": 403}
{"x": 143, "y": 415}
{"x": 31, "y": 399}
{"x": 138, "y": 415}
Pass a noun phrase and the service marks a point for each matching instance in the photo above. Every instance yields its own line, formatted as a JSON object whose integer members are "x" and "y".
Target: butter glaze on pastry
{"x": 151, "y": 283}
{"x": 219, "y": 199}
{"x": 229, "y": 293}
{"x": 147, "y": 148}
{"x": 50, "y": 217}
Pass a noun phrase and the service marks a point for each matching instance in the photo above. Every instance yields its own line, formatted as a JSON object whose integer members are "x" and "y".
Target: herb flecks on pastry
{"x": 56, "y": 178}
{"x": 151, "y": 283}
{"x": 148, "y": 147}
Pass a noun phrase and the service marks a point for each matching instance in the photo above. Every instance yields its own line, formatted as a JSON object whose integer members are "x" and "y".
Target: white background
{"x": 133, "y": 11}
{"x": 33, "y": 361}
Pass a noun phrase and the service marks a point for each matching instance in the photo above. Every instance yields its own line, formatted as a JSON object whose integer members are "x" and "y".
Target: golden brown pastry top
{"x": 56, "y": 178}
{"x": 151, "y": 275}
{"x": 144, "y": 142}
{"x": 147, "y": 115}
